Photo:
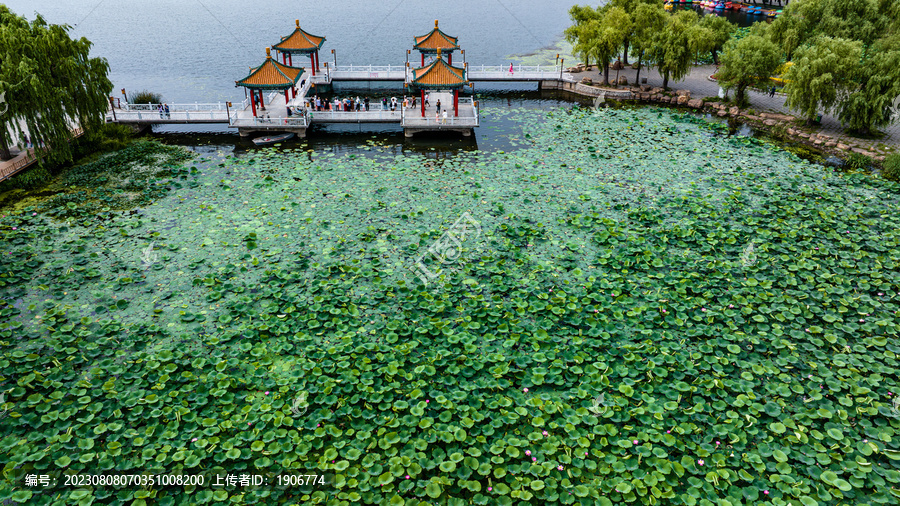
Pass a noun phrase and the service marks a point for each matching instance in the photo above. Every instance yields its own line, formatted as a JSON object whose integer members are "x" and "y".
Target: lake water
{"x": 194, "y": 50}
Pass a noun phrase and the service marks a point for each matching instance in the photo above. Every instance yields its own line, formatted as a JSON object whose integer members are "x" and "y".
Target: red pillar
{"x": 317, "y": 60}
{"x": 286, "y": 98}
{"x": 456, "y": 102}
{"x": 423, "y": 59}
{"x": 423, "y": 101}
{"x": 253, "y": 102}
{"x": 291, "y": 59}
{"x": 450, "y": 58}
{"x": 294, "y": 89}
{"x": 262, "y": 100}
{"x": 312, "y": 62}
{"x": 284, "y": 58}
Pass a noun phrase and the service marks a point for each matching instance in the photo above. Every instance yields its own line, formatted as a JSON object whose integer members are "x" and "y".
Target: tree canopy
{"x": 746, "y": 62}
{"x": 675, "y": 46}
{"x": 50, "y": 83}
{"x": 821, "y": 33}
{"x": 820, "y": 76}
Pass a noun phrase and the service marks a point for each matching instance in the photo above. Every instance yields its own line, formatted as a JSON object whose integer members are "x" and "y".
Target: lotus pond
{"x": 645, "y": 311}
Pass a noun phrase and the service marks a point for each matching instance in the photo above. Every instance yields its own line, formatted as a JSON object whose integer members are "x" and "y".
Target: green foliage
{"x": 33, "y": 177}
{"x": 715, "y": 32}
{"x": 49, "y": 82}
{"x": 675, "y": 47}
{"x": 749, "y": 61}
{"x": 876, "y": 83}
{"x": 891, "y": 170}
{"x": 146, "y": 97}
{"x": 689, "y": 329}
{"x": 858, "y": 161}
{"x": 821, "y": 75}
{"x": 648, "y": 20}
{"x": 599, "y": 33}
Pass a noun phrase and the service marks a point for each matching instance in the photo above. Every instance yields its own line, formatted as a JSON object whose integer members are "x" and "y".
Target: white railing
{"x": 364, "y": 72}
{"x": 196, "y": 106}
{"x": 157, "y": 117}
{"x": 381, "y": 116}
{"x": 293, "y": 121}
{"x": 431, "y": 122}
{"x": 520, "y": 72}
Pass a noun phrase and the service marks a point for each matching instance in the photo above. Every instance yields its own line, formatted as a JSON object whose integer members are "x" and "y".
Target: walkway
{"x": 701, "y": 87}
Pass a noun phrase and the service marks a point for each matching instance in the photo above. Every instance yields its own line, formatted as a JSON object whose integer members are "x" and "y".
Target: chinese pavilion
{"x": 300, "y": 42}
{"x": 271, "y": 75}
{"x": 436, "y": 41}
{"x": 440, "y": 75}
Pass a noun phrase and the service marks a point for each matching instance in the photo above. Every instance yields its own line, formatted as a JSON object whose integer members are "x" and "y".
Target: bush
{"x": 31, "y": 178}
{"x": 146, "y": 97}
{"x": 892, "y": 167}
{"x": 858, "y": 161}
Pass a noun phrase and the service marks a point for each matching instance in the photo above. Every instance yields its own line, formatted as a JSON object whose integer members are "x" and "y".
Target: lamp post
{"x": 334, "y": 57}
{"x": 228, "y": 112}
{"x": 561, "y": 63}
{"x": 407, "y": 57}
{"x": 126, "y": 96}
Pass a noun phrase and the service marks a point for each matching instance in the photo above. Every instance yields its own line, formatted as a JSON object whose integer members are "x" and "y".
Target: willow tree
{"x": 49, "y": 83}
{"x": 718, "y": 32}
{"x": 674, "y": 48}
{"x": 647, "y": 21}
{"x": 820, "y": 77}
{"x": 583, "y": 32}
{"x": 875, "y": 86}
{"x": 747, "y": 62}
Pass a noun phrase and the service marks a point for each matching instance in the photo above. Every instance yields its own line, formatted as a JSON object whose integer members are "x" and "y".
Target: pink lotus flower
{"x": 559, "y": 467}
{"x": 766, "y": 492}
{"x": 635, "y": 441}
{"x": 490, "y": 488}
{"x": 545, "y": 433}
{"x": 700, "y": 462}
{"x": 534, "y": 459}
{"x": 407, "y": 476}
{"x": 192, "y": 440}
{"x": 525, "y": 390}
{"x": 528, "y": 452}
{"x": 267, "y": 392}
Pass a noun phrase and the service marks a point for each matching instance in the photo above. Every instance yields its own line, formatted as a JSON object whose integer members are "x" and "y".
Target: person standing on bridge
{"x": 383, "y": 103}
{"x": 439, "y": 106}
{"x": 510, "y": 68}
{"x": 166, "y": 106}
{"x": 366, "y": 101}
{"x": 161, "y": 111}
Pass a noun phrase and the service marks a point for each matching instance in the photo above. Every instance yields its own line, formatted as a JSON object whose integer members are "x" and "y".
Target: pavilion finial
{"x": 298, "y": 23}
{"x": 435, "y": 23}
{"x": 439, "y": 52}
{"x": 269, "y": 52}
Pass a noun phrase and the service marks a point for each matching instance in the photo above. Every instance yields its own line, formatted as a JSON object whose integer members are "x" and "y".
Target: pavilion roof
{"x": 439, "y": 75}
{"x": 300, "y": 42}
{"x": 271, "y": 75}
{"x": 434, "y": 40}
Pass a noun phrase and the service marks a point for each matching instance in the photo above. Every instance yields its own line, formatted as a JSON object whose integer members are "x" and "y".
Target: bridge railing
{"x": 368, "y": 72}
{"x": 501, "y": 72}
{"x": 360, "y": 116}
{"x": 173, "y": 115}
{"x": 293, "y": 121}
{"x": 196, "y": 106}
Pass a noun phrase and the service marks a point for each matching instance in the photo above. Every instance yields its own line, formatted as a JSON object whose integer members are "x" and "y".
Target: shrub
{"x": 858, "y": 161}
{"x": 146, "y": 97}
{"x": 892, "y": 167}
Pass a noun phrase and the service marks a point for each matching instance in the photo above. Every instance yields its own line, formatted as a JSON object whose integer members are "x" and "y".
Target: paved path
{"x": 699, "y": 84}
